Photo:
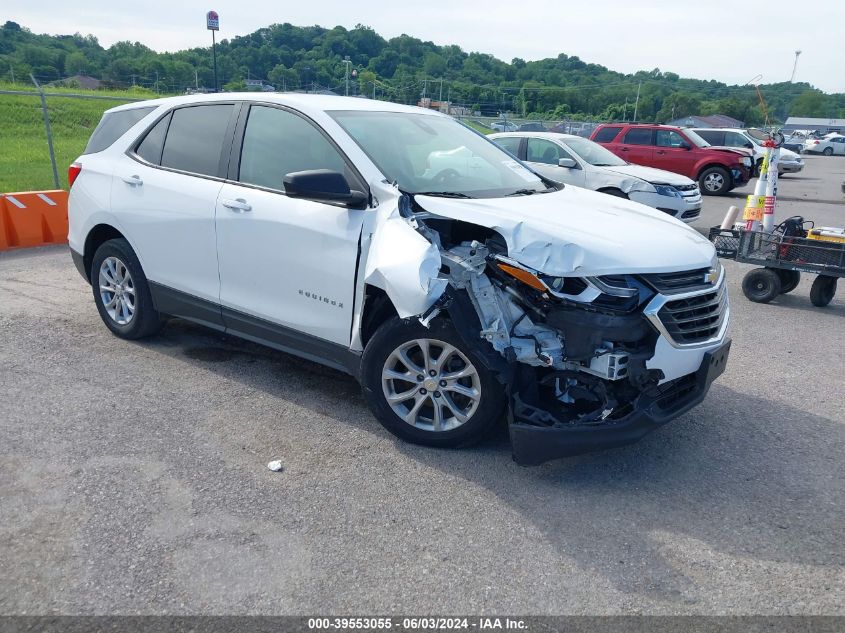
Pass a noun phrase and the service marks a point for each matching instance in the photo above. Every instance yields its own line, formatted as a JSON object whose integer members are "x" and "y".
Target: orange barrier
{"x": 33, "y": 218}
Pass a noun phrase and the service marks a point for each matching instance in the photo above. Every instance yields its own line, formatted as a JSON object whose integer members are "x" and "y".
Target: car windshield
{"x": 593, "y": 153}
{"x": 696, "y": 139}
{"x": 433, "y": 154}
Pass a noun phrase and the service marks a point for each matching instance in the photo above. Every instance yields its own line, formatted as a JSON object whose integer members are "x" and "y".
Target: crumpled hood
{"x": 651, "y": 174}
{"x": 577, "y": 232}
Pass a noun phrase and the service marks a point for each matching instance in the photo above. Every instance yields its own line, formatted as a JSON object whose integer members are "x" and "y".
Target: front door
{"x": 286, "y": 263}
{"x": 673, "y": 152}
{"x": 543, "y": 156}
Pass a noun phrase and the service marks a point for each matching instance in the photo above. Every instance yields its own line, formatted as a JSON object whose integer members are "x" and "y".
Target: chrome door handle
{"x": 237, "y": 205}
{"x": 133, "y": 180}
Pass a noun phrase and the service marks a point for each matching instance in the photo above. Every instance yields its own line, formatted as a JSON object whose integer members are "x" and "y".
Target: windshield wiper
{"x": 442, "y": 194}
{"x": 528, "y": 192}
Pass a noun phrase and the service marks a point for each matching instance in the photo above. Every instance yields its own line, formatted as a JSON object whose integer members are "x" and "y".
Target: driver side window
{"x": 543, "y": 151}
{"x": 668, "y": 138}
{"x": 277, "y": 142}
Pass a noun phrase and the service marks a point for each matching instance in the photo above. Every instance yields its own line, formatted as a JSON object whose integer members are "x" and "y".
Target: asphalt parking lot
{"x": 133, "y": 476}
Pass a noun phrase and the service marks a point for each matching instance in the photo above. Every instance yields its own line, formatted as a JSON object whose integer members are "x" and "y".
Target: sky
{"x": 731, "y": 41}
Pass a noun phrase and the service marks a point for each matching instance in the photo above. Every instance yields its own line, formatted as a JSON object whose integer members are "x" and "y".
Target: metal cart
{"x": 783, "y": 255}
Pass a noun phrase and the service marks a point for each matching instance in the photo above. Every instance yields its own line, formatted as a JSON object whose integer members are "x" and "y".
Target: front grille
{"x": 695, "y": 319}
{"x": 684, "y": 281}
{"x": 691, "y": 213}
{"x": 691, "y": 187}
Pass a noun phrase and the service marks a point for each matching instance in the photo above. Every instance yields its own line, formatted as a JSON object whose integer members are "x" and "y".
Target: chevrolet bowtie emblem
{"x": 710, "y": 277}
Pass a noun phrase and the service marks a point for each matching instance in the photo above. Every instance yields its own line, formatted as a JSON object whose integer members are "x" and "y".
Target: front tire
{"x": 121, "y": 291}
{"x": 427, "y": 386}
{"x": 828, "y": 151}
{"x": 761, "y": 285}
{"x": 715, "y": 181}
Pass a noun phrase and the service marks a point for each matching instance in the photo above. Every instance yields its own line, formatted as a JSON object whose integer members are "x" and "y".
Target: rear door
{"x": 287, "y": 266}
{"x": 164, "y": 195}
{"x": 636, "y": 146}
{"x": 543, "y": 156}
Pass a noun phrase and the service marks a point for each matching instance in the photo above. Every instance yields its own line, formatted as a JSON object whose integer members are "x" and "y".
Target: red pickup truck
{"x": 717, "y": 169}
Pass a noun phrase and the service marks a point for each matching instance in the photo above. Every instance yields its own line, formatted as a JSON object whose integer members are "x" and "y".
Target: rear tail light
{"x": 815, "y": 142}
{"x": 72, "y": 173}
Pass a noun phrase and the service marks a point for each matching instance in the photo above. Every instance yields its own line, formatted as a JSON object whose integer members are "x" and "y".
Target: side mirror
{"x": 748, "y": 145}
{"x": 685, "y": 145}
{"x": 569, "y": 163}
{"x": 322, "y": 185}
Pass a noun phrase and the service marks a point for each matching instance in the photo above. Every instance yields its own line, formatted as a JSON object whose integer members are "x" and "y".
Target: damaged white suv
{"x": 397, "y": 245}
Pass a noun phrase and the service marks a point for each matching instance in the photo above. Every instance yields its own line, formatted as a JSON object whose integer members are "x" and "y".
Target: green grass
{"x": 24, "y": 157}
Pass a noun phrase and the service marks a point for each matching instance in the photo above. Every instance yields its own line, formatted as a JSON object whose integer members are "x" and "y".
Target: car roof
{"x": 298, "y": 101}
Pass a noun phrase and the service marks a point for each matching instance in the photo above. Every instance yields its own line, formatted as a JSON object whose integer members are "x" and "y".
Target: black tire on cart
{"x": 789, "y": 280}
{"x": 822, "y": 290}
{"x": 761, "y": 285}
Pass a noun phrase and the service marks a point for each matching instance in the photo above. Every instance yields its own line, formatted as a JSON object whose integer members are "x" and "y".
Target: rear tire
{"x": 715, "y": 181}
{"x": 433, "y": 410}
{"x": 822, "y": 290}
{"x": 121, "y": 291}
{"x": 761, "y": 285}
{"x": 789, "y": 280}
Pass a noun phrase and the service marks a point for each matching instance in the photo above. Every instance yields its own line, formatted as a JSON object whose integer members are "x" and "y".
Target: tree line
{"x": 404, "y": 69}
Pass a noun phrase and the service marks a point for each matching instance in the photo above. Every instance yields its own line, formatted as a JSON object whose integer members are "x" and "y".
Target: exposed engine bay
{"x": 574, "y": 350}
{"x": 575, "y": 353}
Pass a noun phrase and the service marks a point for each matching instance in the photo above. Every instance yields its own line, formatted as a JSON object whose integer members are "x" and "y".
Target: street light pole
{"x": 794, "y": 67}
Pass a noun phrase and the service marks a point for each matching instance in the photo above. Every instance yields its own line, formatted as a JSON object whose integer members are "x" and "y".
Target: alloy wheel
{"x": 117, "y": 291}
{"x": 431, "y": 385}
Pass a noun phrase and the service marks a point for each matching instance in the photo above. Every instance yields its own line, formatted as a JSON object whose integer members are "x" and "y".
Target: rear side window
{"x": 606, "y": 134}
{"x": 714, "y": 137}
{"x": 151, "y": 147}
{"x": 638, "y": 136}
{"x": 195, "y": 139}
{"x": 112, "y": 126}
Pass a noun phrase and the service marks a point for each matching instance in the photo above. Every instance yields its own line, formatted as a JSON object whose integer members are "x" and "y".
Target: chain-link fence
{"x": 41, "y": 133}
{"x": 489, "y": 125}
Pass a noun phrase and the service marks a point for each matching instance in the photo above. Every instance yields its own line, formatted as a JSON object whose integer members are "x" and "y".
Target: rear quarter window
{"x": 606, "y": 134}
{"x": 112, "y": 126}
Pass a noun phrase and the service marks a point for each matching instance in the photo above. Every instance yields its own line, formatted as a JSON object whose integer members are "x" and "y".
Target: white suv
{"x": 316, "y": 225}
{"x": 788, "y": 161}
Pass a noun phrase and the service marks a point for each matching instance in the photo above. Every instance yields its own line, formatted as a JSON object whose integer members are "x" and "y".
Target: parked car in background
{"x": 579, "y": 161}
{"x": 533, "y": 126}
{"x": 788, "y": 163}
{"x": 314, "y": 225}
{"x": 717, "y": 170}
{"x": 830, "y": 145}
{"x": 504, "y": 126}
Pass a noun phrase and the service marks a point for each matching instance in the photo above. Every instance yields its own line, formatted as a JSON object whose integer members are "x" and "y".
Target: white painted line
{"x": 16, "y": 202}
{"x": 46, "y": 199}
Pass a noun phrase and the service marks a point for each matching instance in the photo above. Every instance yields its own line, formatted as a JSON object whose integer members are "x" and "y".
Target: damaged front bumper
{"x": 534, "y": 443}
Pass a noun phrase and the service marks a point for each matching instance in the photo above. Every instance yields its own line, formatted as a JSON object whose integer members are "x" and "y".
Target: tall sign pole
{"x": 212, "y": 23}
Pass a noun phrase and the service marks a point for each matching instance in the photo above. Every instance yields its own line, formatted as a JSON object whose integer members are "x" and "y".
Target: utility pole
{"x": 12, "y": 71}
{"x": 347, "y": 62}
{"x": 374, "y": 89}
{"x": 440, "y": 98}
{"x": 794, "y": 67}
{"x": 625, "y": 111}
{"x": 637, "y": 103}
